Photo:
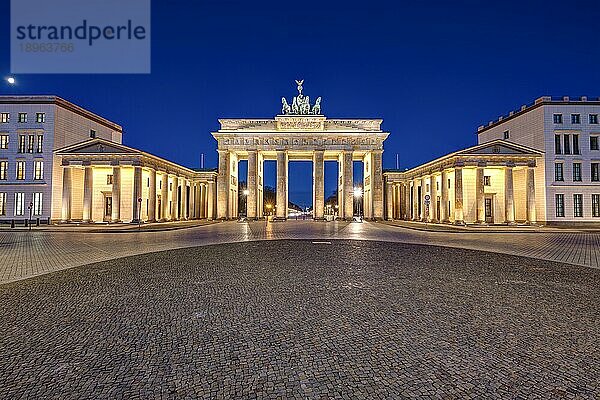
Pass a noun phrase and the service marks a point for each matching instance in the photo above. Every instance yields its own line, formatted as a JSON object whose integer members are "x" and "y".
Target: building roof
{"x": 539, "y": 102}
{"x": 67, "y": 105}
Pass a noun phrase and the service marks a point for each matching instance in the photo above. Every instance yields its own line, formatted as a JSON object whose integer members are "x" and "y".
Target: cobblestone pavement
{"x": 26, "y": 254}
{"x": 297, "y": 319}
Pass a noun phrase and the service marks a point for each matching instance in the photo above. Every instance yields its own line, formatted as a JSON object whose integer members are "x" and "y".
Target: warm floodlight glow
{"x": 246, "y": 192}
{"x": 269, "y": 206}
{"x": 11, "y": 80}
{"x": 358, "y": 192}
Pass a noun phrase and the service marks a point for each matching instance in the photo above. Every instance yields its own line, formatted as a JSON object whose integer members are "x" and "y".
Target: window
{"x": 40, "y": 118}
{"x": 576, "y": 172}
{"x": 2, "y": 203}
{"x": 594, "y": 143}
{"x": 593, "y": 118}
{"x": 578, "y": 205}
{"x": 576, "y": 144}
{"x": 506, "y": 135}
{"x": 448, "y": 183}
{"x": 487, "y": 181}
{"x": 575, "y": 118}
{"x": 595, "y": 173}
{"x": 3, "y": 170}
{"x": 4, "y": 118}
{"x": 557, "y": 148}
{"x": 31, "y": 143}
{"x": 39, "y": 148}
{"x": 21, "y": 143}
{"x": 148, "y": 182}
{"x": 171, "y": 186}
{"x": 4, "y": 142}
{"x": 558, "y": 172}
{"x": 557, "y": 118}
{"x": 38, "y": 170}
{"x": 109, "y": 179}
{"x": 19, "y": 203}
{"x": 595, "y": 205}
{"x": 22, "y": 118}
{"x": 567, "y": 142}
{"x": 560, "y": 205}
{"x": 37, "y": 204}
{"x": 92, "y": 133}
{"x": 20, "y": 170}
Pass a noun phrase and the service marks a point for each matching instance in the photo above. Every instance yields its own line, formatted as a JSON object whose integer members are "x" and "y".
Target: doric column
{"x": 415, "y": 200}
{"x": 203, "y": 212}
{"x": 458, "y": 196}
{"x": 88, "y": 191}
{"x": 531, "y": 212}
{"x": 509, "y": 195}
{"x": 389, "y": 201}
{"x": 407, "y": 203}
{"x": 116, "y": 195}
{"x": 152, "y": 196}
{"x": 164, "y": 197}
{"x": 66, "y": 194}
{"x": 137, "y": 193}
{"x": 259, "y": 186}
{"x": 199, "y": 204}
{"x": 480, "y": 194}
{"x": 424, "y": 207}
{"x": 434, "y": 195}
{"x": 377, "y": 184}
{"x": 252, "y": 175}
{"x": 223, "y": 180}
{"x": 318, "y": 184}
{"x": 282, "y": 184}
{"x": 444, "y": 212}
{"x": 210, "y": 201}
{"x": 174, "y": 199}
{"x": 348, "y": 186}
{"x": 184, "y": 200}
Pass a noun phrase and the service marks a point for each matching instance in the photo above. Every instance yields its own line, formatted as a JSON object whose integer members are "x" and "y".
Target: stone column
{"x": 348, "y": 186}
{"x": 424, "y": 207}
{"x": 282, "y": 184}
{"x": 434, "y": 195}
{"x": 137, "y": 193}
{"x": 223, "y": 180}
{"x": 444, "y": 212}
{"x": 210, "y": 201}
{"x": 199, "y": 201}
{"x": 509, "y": 195}
{"x": 531, "y": 212}
{"x": 164, "y": 197}
{"x": 415, "y": 205}
{"x": 389, "y": 201}
{"x": 377, "y": 185}
{"x": 407, "y": 203}
{"x": 318, "y": 184}
{"x": 174, "y": 199}
{"x": 66, "y": 194}
{"x": 88, "y": 192}
{"x": 259, "y": 186}
{"x": 184, "y": 200}
{"x": 458, "y": 196}
{"x": 152, "y": 196}
{"x": 480, "y": 194}
{"x": 251, "y": 199}
{"x": 116, "y": 195}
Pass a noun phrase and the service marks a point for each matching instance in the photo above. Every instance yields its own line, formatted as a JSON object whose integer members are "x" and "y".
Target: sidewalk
{"x": 432, "y": 227}
{"x": 109, "y": 228}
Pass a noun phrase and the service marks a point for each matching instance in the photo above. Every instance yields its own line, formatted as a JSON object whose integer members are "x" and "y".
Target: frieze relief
{"x": 267, "y": 142}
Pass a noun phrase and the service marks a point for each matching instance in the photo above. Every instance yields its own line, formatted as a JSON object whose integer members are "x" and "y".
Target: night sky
{"x": 433, "y": 71}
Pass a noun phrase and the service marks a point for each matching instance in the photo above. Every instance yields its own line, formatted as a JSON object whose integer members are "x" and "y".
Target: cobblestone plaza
{"x": 346, "y": 310}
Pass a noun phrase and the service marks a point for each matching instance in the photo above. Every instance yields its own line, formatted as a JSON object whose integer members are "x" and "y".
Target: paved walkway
{"x": 25, "y": 254}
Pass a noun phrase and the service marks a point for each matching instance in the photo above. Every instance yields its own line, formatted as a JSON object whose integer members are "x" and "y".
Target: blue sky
{"x": 433, "y": 71}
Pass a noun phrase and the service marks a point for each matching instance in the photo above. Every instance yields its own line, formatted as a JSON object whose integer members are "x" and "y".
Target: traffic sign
{"x": 427, "y": 197}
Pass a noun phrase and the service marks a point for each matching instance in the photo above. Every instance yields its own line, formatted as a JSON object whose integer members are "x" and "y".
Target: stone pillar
{"x": 251, "y": 199}
{"x": 318, "y": 184}
{"x": 152, "y": 196}
{"x": 509, "y": 195}
{"x": 531, "y": 212}
{"x": 377, "y": 185}
{"x": 198, "y": 201}
{"x": 137, "y": 193}
{"x": 424, "y": 207}
{"x": 66, "y": 194}
{"x": 88, "y": 193}
{"x": 480, "y": 194}
{"x": 407, "y": 203}
{"x": 223, "y": 180}
{"x": 444, "y": 212}
{"x": 174, "y": 199}
{"x": 282, "y": 184}
{"x": 348, "y": 186}
{"x": 389, "y": 201}
{"x": 458, "y": 196}
{"x": 116, "y": 195}
{"x": 259, "y": 186}
{"x": 184, "y": 200}
{"x": 210, "y": 200}
{"x": 164, "y": 197}
{"x": 415, "y": 201}
{"x": 434, "y": 195}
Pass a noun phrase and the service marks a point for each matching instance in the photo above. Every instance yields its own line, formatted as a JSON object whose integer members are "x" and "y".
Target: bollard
{"x": 12, "y": 223}
{"x": 26, "y": 223}
{"x": 48, "y": 221}
{"x": 37, "y": 222}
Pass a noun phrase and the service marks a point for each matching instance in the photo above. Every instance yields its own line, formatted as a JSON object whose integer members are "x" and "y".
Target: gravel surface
{"x": 293, "y": 318}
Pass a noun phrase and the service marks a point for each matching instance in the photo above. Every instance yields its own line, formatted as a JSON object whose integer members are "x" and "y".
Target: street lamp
{"x": 11, "y": 80}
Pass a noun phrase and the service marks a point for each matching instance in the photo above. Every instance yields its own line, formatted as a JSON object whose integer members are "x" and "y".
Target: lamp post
{"x": 30, "y": 214}
{"x": 357, "y": 196}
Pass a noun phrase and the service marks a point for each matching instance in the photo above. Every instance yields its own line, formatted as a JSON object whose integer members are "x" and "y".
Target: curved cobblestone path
{"x": 293, "y": 318}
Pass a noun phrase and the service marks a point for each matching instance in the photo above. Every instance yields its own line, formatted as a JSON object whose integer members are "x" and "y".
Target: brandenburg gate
{"x": 301, "y": 132}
